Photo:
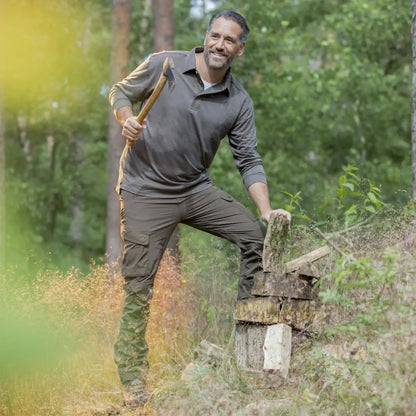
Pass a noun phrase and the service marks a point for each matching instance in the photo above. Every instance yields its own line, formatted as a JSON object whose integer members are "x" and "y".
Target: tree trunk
{"x": 119, "y": 69}
{"x": 414, "y": 99}
{"x": 77, "y": 217}
{"x": 163, "y": 34}
{"x": 162, "y": 25}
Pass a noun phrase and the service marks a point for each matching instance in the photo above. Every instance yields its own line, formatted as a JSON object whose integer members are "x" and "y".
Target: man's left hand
{"x": 279, "y": 212}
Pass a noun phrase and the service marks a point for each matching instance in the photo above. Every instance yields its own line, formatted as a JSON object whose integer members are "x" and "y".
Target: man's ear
{"x": 241, "y": 49}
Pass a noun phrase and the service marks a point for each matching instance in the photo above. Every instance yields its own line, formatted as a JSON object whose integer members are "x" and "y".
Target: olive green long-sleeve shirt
{"x": 184, "y": 129}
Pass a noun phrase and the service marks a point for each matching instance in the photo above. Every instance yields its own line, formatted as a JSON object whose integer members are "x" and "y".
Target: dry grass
{"x": 68, "y": 324}
{"x": 60, "y": 330}
{"x": 358, "y": 357}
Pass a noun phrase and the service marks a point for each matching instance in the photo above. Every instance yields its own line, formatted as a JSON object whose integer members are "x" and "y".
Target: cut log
{"x": 274, "y": 243}
{"x": 248, "y": 346}
{"x": 289, "y": 285}
{"x": 297, "y": 313}
{"x": 304, "y": 262}
{"x": 263, "y": 347}
{"x": 259, "y": 310}
{"x": 277, "y": 349}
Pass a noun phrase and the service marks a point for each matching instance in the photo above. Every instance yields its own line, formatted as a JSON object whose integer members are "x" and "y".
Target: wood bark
{"x": 297, "y": 313}
{"x": 121, "y": 16}
{"x": 274, "y": 243}
{"x": 288, "y": 285}
{"x": 413, "y": 29}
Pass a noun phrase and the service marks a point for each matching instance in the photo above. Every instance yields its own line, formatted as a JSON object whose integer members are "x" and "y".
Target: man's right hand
{"x": 132, "y": 129}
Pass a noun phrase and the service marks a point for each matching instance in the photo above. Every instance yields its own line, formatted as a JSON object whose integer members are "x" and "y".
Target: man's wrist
{"x": 123, "y": 114}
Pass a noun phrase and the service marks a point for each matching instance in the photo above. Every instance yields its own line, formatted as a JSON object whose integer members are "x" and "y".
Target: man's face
{"x": 222, "y": 44}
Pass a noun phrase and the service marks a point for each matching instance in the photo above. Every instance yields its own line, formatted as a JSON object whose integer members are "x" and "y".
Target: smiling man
{"x": 222, "y": 44}
{"x": 164, "y": 177}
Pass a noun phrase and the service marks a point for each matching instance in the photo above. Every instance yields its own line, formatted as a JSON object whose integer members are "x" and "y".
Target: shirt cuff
{"x": 253, "y": 175}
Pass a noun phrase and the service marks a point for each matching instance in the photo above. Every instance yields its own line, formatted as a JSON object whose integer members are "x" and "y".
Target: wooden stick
{"x": 311, "y": 257}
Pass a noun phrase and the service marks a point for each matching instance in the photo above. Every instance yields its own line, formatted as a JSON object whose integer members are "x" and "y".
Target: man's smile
{"x": 217, "y": 54}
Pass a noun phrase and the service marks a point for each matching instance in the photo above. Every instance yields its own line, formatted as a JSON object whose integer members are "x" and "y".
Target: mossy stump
{"x": 283, "y": 298}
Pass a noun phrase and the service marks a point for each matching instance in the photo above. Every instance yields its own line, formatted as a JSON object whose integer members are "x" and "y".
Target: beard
{"x": 222, "y": 62}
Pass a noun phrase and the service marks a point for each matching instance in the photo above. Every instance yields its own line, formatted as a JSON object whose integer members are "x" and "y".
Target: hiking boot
{"x": 135, "y": 394}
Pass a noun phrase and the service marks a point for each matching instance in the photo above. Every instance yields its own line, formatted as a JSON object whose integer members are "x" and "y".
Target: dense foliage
{"x": 330, "y": 81}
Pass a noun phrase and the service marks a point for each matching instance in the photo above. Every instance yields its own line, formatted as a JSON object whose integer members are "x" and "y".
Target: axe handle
{"x": 155, "y": 93}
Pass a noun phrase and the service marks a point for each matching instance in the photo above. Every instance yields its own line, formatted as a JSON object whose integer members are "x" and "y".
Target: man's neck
{"x": 210, "y": 75}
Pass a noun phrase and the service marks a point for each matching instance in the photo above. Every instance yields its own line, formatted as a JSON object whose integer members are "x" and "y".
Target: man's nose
{"x": 220, "y": 43}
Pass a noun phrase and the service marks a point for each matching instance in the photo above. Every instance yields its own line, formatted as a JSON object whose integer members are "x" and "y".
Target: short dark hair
{"x": 229, "y": 14}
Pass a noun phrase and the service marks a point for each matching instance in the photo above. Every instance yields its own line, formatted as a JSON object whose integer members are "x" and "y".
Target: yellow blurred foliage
{"x": 41, "y": 46}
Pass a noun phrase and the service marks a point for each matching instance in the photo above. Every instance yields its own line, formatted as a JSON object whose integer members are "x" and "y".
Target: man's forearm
{"x": 259, "y": 192}
{"x": 123, "y": 113}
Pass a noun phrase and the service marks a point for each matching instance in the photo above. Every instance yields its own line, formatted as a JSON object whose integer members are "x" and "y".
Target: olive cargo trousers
{"x": 146, "y": 226}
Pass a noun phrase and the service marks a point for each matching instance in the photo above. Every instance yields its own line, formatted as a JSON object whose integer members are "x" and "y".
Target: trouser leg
{"x": 131, "y": 347}
{"x": 145, "y": 231}
{"x": 216, "y": 212}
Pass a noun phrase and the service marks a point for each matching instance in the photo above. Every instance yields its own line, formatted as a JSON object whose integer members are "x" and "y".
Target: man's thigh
{"x": 146, "y": 226}
{"x": 218, "y": 213}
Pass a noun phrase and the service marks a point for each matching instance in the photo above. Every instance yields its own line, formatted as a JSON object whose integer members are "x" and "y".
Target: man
{"x": 164, "y": 179}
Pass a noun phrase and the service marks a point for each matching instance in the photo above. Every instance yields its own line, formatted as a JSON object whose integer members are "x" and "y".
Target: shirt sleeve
{"x": 137, "y": 86}
{"x": 243, "y": 144}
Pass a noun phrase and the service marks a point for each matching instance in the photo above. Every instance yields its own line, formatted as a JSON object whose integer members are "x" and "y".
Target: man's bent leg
{"x": 218, "y": 213}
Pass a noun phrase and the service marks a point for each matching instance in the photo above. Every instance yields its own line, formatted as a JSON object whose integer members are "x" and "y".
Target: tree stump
{"x": 283, "y": 298}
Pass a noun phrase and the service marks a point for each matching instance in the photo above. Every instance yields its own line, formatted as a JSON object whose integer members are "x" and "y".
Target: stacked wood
{"x": 284, "y": 298}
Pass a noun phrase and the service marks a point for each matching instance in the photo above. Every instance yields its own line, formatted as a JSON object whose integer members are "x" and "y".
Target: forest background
{"x": 331, "y": 82}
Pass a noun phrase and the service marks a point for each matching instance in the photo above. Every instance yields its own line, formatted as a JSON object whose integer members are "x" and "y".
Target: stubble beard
{"x": 217, "y": 65}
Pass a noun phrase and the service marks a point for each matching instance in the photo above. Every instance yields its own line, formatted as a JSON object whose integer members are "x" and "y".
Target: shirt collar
{"x": 190, "y": 66}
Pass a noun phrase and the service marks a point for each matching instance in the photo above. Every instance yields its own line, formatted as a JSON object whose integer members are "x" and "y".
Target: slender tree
{"x": 163, "y": 35}
{"x": 163, "y": 25}
{"x": 119, "y": 69}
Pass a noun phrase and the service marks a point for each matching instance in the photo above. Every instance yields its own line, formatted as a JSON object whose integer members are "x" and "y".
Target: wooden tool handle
{"x": 155, "y": 93}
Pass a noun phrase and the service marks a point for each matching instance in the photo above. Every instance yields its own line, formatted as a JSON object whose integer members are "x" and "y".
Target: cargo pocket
{"x": 136, "y": 254}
